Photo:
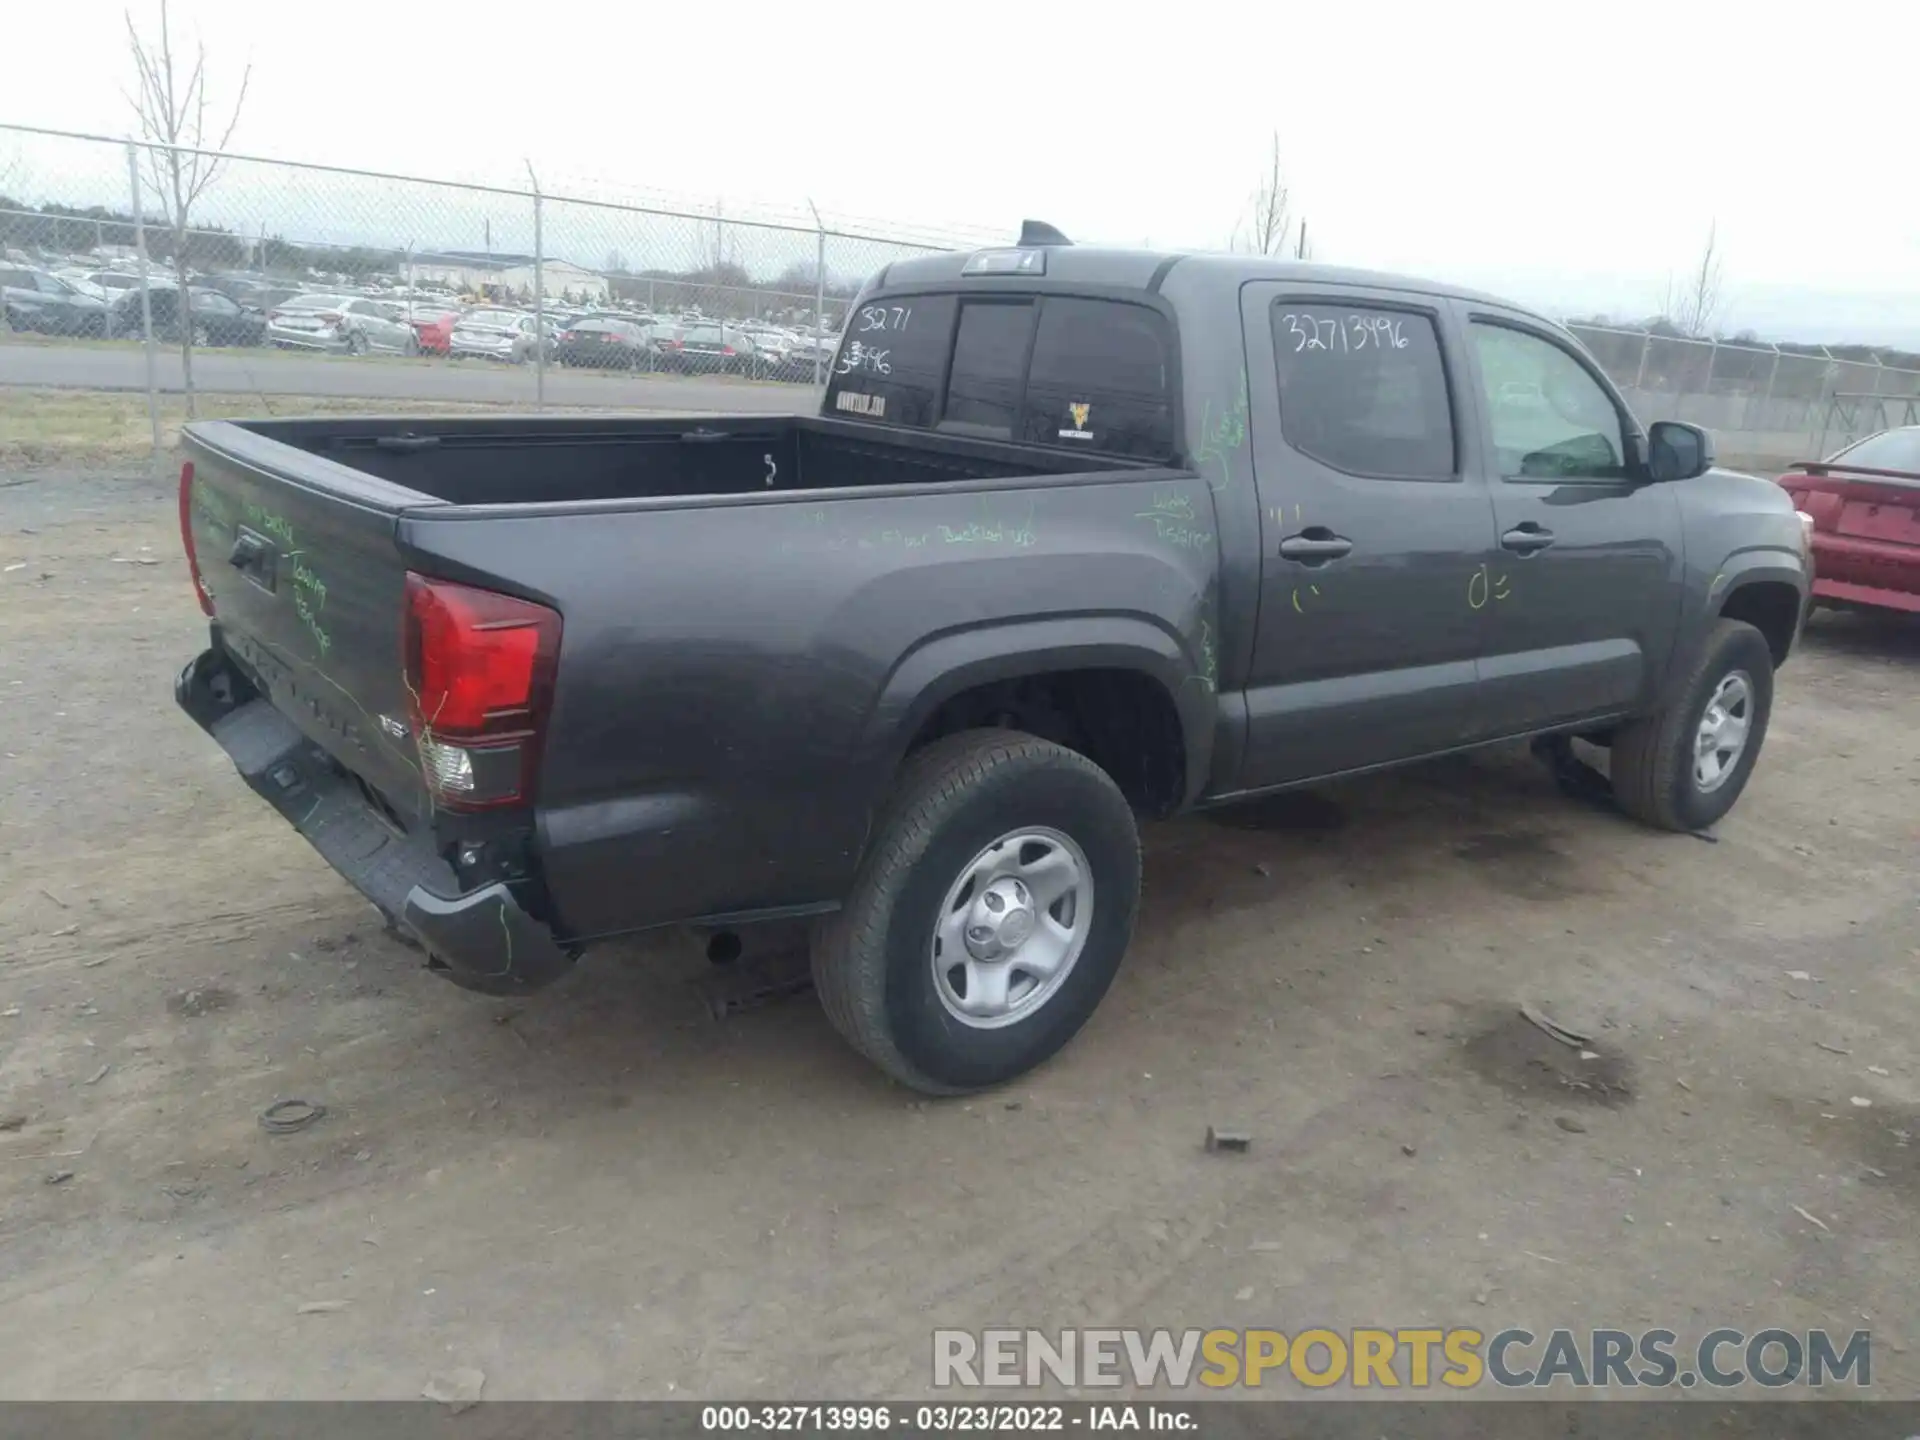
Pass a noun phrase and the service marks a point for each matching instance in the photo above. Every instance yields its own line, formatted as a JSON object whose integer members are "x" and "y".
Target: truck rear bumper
{"x": 484, "y": 939}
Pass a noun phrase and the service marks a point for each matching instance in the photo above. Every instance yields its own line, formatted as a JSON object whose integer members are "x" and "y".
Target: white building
{"x": 474, "y": 272}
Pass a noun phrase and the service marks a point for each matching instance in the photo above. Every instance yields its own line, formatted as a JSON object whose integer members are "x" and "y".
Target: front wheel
{"x": 1683, "y": 768}
{"x": 989, "y": 917}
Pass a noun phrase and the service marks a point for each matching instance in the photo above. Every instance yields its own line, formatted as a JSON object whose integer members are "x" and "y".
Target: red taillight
{"x": 726, "y": 350}
{"x": 670, "y": 344}
{"x": 479, "y": 680}
{"x": 186, "y": 539}
{"x": 328, "y": 318}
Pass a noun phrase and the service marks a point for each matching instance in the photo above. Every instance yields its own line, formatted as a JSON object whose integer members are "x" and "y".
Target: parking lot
{"x": 603, "y": 1192}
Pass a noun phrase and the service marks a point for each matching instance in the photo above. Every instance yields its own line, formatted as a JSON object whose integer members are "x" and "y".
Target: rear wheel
{"x": 1684, "y": 767}
{"x": 989, "y": 917}
{"x": 356, "y": 343}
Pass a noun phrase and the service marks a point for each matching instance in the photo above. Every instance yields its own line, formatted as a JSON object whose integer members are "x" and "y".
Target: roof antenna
{"x": 1038, "y": 232}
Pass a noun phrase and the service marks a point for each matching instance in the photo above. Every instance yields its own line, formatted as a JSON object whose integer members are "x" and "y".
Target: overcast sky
{"x": 1572, "y": 156}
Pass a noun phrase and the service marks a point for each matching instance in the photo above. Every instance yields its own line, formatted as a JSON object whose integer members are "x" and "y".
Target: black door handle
{"x": 1315, "y": 545}
{"x": 1526, "y": 538}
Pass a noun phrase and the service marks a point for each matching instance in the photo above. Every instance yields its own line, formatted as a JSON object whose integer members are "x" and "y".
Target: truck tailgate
{"x": 298, "y": 559}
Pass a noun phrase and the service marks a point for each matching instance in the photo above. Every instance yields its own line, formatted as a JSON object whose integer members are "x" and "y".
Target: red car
{"x": 1865, "y": 506}
{"x": 433, "y": 324}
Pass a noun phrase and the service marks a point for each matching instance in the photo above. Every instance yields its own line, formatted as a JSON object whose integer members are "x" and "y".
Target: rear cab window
{"x": 1064, "y": 371}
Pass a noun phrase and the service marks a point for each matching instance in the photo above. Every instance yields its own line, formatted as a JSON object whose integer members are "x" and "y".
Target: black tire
{"x": 1652, "y": 763}
{"x": 356, "y": 343}
{"x": 872, "y": 962}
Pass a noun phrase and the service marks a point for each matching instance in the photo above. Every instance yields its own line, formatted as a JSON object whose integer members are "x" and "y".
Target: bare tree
{"x": 1269, "y": 228}
{"x": 1693, "y": 303}
{"x": 180, "y": 160}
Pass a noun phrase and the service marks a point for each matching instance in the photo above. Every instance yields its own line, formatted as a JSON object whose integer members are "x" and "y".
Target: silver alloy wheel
{"x": 1724, "y": 727}
{"x": 1011, "y": 927}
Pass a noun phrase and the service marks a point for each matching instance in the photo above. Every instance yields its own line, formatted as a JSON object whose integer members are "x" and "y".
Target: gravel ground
{"x": 601, "y": 1192}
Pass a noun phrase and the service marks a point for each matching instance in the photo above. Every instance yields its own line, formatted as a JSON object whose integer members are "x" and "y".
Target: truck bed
{"x": 749, "y": 613}
{"x": 485, "y": 460}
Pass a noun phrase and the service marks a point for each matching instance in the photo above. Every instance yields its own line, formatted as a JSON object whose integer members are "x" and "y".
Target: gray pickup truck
{"x": 1079, "y": 536}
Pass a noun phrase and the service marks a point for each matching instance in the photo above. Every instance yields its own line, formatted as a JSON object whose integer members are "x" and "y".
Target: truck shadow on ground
{"x": 643, "y": 1004}
{"x": 1863, "y": 634}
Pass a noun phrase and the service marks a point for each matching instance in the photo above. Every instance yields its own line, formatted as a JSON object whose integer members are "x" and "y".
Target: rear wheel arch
{"x": 1117, "y": 689}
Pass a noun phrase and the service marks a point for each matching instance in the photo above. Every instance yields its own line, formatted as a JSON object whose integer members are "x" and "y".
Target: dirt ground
{"x": 601, "y": 1192}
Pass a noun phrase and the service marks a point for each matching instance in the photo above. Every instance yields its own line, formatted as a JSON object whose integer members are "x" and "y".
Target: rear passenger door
{"x": 1374, "y": 519}
{"x": 1582, "y": 597}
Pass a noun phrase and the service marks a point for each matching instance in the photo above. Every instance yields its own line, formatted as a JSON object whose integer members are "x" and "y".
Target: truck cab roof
{"x": 1147, "y": 270}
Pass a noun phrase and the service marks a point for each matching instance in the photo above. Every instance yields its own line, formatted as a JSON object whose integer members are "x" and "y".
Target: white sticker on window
{"x": 872, "y": 406}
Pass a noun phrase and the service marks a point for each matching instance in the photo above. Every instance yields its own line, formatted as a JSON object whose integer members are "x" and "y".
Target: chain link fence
{"x": 489, "y": 293}
{"x": 517, "y": 296}
{"x": 1767, "y": 404}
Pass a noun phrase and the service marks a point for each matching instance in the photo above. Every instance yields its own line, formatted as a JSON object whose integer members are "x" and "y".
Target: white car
{"x": 508, "y": 335}
{"x": 345, "y": 324}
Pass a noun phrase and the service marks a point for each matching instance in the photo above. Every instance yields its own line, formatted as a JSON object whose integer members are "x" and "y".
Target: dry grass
{"x": 40, "y": 428}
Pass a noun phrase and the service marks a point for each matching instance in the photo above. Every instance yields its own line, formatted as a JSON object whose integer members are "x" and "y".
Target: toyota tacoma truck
{"x": 1078, "y": 537}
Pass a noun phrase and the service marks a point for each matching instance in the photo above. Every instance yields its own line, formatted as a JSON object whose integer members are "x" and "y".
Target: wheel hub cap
{"x": 1000, "y": 920}
{"x": 1721, "y": 738}
{"x": 1011, "y": 927}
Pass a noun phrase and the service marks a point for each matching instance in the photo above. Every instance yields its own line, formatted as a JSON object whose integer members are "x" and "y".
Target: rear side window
{"x": 1101, "y": 378}
{"x": 989, "y": 364}
{"x": 891, "y": 359}
{"x": 1364, "y": 390}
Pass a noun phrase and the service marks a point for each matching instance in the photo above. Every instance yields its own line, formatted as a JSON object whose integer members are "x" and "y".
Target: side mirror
{"x": 1676, "y": 451}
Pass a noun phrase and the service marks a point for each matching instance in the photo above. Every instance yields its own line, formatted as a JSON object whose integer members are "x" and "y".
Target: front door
{"x": 1374, "y": 515}
{"x": 1583, "y": 594}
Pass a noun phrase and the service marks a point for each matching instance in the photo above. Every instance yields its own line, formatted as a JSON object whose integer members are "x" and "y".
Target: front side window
{"x": 1551, "y": 420}
{"x": 1363, "y": 389}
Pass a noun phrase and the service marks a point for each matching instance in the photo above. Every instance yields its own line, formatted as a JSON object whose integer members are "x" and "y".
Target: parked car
{"x": 1006, "y": 594}
{"x": 770, "y": 348}
{"x": 494, "y": 334}
{"x": 607, "y": 341}
{"x": 344, "y": 324}
{"x": 34, "y": 299}
{"x": 808, "y": 348}
{"x": 705, "y": 348}
{"x": 433, "y": 325}
{"x": 216, "y": 319}
{"x": 262, "y": 295}
{"x": 79, "y": 280}
{"x": 1862, "y": 505}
